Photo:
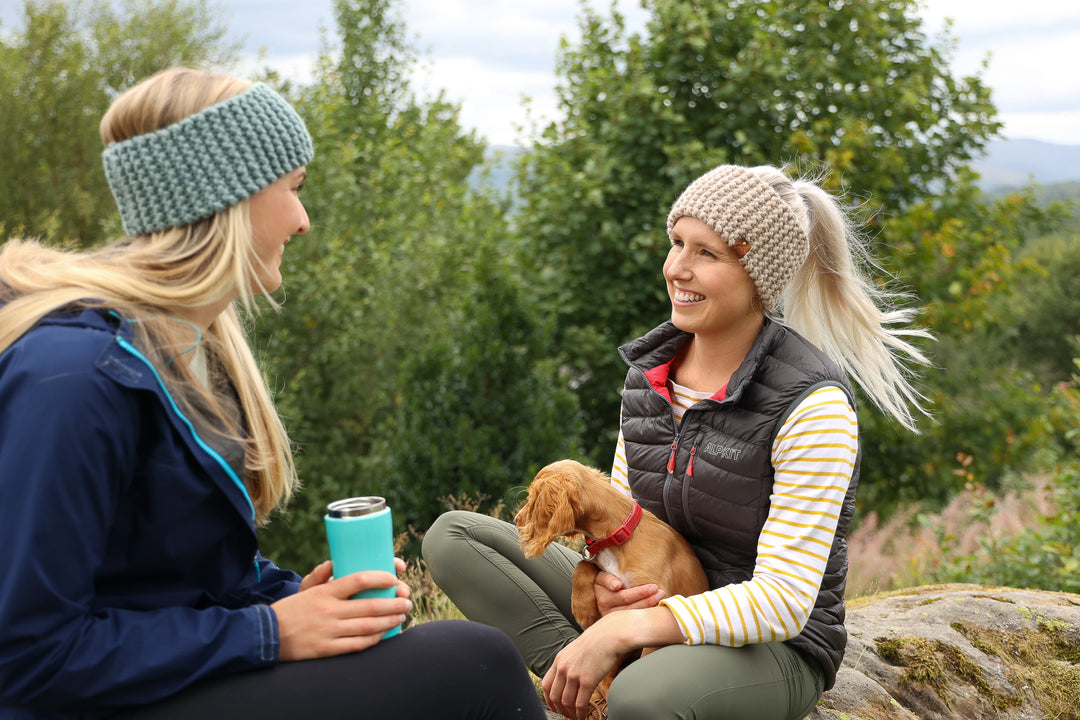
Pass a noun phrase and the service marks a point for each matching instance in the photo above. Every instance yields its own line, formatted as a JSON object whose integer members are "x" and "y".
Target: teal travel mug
{"x": 360, "y": 531}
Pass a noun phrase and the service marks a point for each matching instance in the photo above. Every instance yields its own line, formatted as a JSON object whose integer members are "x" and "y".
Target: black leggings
{"x": 447, "y": 669}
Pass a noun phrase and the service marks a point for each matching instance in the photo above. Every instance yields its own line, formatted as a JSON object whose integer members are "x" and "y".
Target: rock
{"x": 953, "y": 652}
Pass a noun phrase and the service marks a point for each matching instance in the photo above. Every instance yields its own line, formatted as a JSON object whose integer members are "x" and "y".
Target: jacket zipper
{"x": 674, "y": 452}
{"x": 671, "y": 460}
{"x": 131, "y": 350}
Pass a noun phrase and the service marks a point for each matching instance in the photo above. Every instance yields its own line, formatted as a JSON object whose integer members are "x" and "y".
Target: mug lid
{"x": 355, "y": 506}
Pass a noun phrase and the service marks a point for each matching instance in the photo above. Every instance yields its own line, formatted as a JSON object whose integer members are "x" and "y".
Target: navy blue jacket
{"x": 129, "y": 565}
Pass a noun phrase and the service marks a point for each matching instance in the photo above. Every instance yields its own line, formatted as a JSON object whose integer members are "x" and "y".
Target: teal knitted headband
{"x": 206, "y": 162}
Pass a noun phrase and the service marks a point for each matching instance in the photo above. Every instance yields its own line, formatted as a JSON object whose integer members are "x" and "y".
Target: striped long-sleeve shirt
{"x": 813, "y": 457}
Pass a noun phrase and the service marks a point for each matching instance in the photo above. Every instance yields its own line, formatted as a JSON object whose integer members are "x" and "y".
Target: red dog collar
{"x": 593, "y": 547}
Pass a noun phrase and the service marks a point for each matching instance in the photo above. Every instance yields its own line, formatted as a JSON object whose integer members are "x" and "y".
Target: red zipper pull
{"x": 690, "y": 467}
{"x": 671, "y": 460}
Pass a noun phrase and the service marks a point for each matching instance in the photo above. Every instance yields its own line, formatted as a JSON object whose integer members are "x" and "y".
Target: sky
{"x": 488, "y": 55}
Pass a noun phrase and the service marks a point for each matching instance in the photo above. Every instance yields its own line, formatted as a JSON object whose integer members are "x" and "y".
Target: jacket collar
{"x": 126, "y": 365}
{"x": 659, "y": 347}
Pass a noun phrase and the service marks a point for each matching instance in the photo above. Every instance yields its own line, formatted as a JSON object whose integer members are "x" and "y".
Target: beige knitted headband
{"x": 738, "y": 205}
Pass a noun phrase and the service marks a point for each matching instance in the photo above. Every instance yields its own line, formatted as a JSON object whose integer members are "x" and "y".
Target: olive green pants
{"x": 478, "y": 563}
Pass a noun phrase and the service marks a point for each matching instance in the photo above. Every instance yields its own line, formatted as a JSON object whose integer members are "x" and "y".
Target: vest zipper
{"x": 671, "y": 460}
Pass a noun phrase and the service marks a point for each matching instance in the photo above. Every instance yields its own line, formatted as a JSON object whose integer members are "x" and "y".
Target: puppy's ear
{"x": 561, "y": 498}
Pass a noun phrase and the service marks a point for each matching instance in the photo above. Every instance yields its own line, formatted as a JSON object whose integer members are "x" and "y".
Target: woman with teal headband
{"x": 140, "y": 451}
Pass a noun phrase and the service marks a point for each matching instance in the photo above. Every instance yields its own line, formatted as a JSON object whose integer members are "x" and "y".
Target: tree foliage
{"x": 477, "y": 412}
{"x": 407, "y": 364}
{"x": 854, "y": 87}
{"x": 961, "y": 257}
{"x": 1047, "y": 555}
{"x": 437, "y": 341}
{"x": 1048, "y": 326}
{"x": 58, "y": 73}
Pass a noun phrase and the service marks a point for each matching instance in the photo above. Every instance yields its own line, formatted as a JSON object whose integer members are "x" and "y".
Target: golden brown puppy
{"x": 567, "y": 499}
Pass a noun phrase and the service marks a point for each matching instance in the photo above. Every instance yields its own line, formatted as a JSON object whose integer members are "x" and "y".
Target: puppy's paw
{"x": 583, "y": 595}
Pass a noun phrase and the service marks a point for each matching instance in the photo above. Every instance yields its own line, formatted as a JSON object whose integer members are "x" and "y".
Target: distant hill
{"x": 1016, "y": 163}
{"x": 1007, "y": 165}
{"x": 497, "y": 172}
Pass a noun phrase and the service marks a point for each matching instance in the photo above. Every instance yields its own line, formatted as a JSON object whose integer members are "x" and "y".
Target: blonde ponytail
{"x": 833, "y": 303}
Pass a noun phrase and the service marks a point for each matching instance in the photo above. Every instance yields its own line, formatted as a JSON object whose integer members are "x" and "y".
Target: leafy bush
{"x": 1048, "y": 327}
{"x": 1024, "y": 535}
{"x": 1045, "y": 556}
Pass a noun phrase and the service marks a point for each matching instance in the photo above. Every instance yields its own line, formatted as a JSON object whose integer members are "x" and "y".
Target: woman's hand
{"x": 610, "y": 595}
{"x": 322, "y": 620}
{"x": 580, "y": 666}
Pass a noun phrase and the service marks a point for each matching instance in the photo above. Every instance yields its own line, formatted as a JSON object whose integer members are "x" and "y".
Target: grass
{"x": 909, "y": 548}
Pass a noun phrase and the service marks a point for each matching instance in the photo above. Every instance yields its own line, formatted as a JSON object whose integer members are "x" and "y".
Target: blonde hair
{"x": 835, "y": 305}
{"x": 153, "y": 279}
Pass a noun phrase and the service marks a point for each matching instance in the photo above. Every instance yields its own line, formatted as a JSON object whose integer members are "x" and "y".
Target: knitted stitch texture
{"x": 206, "y": 162}
{"x": 738, "y": 205}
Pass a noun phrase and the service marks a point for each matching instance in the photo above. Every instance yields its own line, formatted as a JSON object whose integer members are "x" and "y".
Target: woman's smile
{"x": 685, "y": 297}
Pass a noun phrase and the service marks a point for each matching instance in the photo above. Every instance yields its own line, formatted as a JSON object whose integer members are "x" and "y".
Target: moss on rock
{"x": 960, "y": 651}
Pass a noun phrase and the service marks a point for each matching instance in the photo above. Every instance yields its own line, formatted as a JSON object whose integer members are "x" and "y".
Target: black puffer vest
{"x": 710, "y": 477}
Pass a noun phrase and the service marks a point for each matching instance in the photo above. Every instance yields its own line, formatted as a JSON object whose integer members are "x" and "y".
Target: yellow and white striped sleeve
{"x": 813, "y": 458}
{"x": 620, "y": 478}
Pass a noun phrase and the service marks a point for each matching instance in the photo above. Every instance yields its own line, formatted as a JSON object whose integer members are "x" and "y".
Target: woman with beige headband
{"x": 140, "y": 451}
{"x": 738, "y": 428}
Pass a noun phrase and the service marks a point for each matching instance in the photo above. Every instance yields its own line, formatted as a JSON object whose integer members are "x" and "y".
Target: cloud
{"x": 510, "y": 35}
{"x": 1056, "y": 127}
{"x": 491, "y": 98}
{"x": 489, "y": 54}
{"x": 1027, "y": 72}
{"x": 1029, "y": 49}
{"x": 285, "y": 28}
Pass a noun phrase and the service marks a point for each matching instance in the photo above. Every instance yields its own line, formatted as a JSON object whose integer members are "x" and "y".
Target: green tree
{"x": 1048, "y": 330}
{"x": 961, "y": 256}
{"x": 478, "y": 414}
{"x": 58, "y": 73}
{"x": 855, "y": 87}
{"x": 401, "y": 320}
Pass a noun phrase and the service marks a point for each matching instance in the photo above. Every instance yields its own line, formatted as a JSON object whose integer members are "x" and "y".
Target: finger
{"x": 638, "y": 593}
{"x": 319, "y": 575}
{"x": 361, "y": 608}
{"x": 557, "y": 690}
{"x": 547, "y": 684}
{"x": 649, "y": 602}
{"x": 608, "y": 580}
{"x": 376, "y": 625}
{"x": 349, "y": 585}
{"x": 581, "y": 707}
{"x": 404, "y": 591}
{"x": 358, "y": 641}
{"x": 399, "y": 565}
{"x": 568, "y": 701}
